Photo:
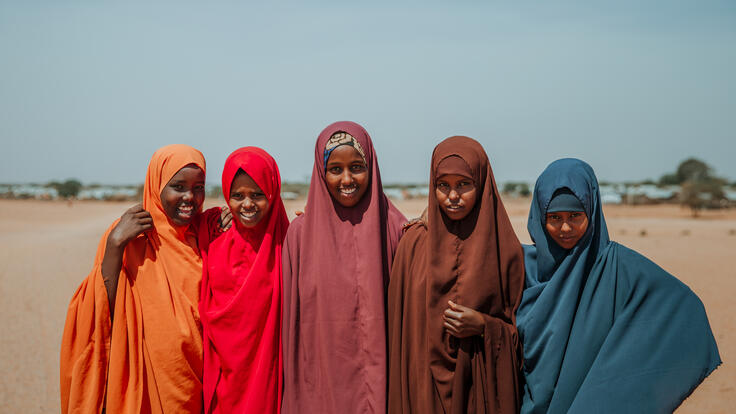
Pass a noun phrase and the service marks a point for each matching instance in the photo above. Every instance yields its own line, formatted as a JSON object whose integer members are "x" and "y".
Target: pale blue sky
{"x": 90, "y": 89}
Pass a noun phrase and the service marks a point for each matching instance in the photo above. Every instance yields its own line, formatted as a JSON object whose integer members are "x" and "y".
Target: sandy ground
{"x": 47, "y": 248}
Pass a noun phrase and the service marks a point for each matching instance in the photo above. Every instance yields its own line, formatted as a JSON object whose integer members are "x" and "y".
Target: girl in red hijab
{"x": 240, "y": 303}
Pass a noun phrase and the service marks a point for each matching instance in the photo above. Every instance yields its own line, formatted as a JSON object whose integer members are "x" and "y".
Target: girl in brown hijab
{"x": 455, "y": 285}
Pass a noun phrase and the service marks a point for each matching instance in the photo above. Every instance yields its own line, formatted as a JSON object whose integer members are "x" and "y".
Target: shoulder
{"x": 641, "y": 272}
{"x": 294, "y": 230}
{"x": 414, "y": 235}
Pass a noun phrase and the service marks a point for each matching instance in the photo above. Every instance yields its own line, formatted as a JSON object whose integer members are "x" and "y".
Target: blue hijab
{"x": 604, "y": 329}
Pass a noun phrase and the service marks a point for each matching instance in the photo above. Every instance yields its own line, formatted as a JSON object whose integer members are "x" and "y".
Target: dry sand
{"x": 47, "y": 248}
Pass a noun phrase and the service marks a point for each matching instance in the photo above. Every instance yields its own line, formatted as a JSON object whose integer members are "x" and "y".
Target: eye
{"x": 335, "y": 170}
{"x": 258, "y": 195}
{"x": 236, "y": 196}
{"x": 442, "y": 185}
{"x": 357, "y": 168}
{"x": 177, "y": 187}
{"x": 199, "y": 187}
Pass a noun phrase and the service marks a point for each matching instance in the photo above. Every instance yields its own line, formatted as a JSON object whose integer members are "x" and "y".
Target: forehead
{"x": 242, "y": 179}
{"x": 189, "y": 172}
{"x": 344, "y": 153}
{"x": 453, "y": 178}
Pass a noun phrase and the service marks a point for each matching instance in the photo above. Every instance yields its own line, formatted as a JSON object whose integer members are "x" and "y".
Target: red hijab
{"x": 240, "y": 303}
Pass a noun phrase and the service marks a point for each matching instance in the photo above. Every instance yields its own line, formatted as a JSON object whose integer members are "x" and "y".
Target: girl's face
{"x": 183, "y": 195}
{"x": 347, "y": 175}
{"x": 248, "y": 203}
{"x": 566, "y": 227}
{"x": 456, "y": 195}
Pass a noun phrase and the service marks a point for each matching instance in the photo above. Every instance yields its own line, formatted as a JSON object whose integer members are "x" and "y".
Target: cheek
{"x": 167, "y": 198}
{"x": 441, "y": 197}
{"x": 470, "y": 198}
{"x": 361, "y": 179}
{"x": 332, "y": 181}
{"x": 583, "y": 227}
{"x": 550, "y": 229}
{"x": 264, "y": 206}
{"x": 234, "y": 205}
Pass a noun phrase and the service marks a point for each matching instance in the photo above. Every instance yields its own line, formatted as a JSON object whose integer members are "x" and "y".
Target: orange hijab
{"x": 150, "y": 359}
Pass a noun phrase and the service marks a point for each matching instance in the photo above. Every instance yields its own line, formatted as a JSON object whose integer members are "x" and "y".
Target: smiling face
{"x": 347, "y": 175}
{"x": 456, "y": 195}
{"x": 566, "y": 227}
{"x": 248, "y": 203}
{"x": 183, "y": 195}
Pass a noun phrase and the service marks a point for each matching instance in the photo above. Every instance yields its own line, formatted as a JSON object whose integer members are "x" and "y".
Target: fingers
{"x": 456, "y": 307}
{"x": 226, "y": 218}
{"x": 135, "y": 209}
{"x": 298, "y": 212}
{"x": 453, "y": 314}
{"x": 452, "y": 322}
{"x": 452, "y": 330}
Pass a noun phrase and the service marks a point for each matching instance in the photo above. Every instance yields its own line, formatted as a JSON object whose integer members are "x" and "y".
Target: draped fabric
{"x": 475, "y": 262}
{"x": 149, "y": 360}
{"x": 241, "y": 299}
{"x": 603, "y": 328}
{"x": 336, "y": 269}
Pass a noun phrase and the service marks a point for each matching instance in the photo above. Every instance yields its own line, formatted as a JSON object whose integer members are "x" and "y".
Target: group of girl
{"x": 350, "y": 309}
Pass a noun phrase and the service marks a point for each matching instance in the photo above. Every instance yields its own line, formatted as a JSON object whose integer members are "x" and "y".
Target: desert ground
{"x": 47, "y": 248}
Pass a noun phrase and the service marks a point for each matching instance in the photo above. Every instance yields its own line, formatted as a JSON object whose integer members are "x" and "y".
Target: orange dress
{"x": 149, "y": 360}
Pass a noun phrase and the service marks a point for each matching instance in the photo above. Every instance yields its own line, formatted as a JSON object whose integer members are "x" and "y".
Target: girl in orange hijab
{"x": 132, "y": 341}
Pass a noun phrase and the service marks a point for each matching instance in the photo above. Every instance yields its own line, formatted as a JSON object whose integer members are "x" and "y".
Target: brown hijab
{"x": 476, "y": 262}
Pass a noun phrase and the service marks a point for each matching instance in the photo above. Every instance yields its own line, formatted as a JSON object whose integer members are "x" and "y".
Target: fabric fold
{"x": 336, "y": 264}
{"x": 241, "y": 299}
{"x": 603, "y": 328}
{"x": 149, "y": 360}
{"x": 475, "y": 262}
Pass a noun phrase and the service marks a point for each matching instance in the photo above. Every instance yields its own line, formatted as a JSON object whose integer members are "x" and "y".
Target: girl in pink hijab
{"x": 336, "y": 262}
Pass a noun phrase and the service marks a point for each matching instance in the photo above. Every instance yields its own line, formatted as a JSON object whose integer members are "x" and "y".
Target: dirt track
{"x": 46, "y": 249}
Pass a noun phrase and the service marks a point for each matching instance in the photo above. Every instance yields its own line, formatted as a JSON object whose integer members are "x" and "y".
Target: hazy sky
{"x": 90, "y": 89}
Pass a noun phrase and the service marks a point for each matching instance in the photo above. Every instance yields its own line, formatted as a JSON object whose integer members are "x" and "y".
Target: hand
{"x": 133, "y": 222}
{"x": 422, "y": 220}
{"x": 225, "y": 220}
{"x": 462, "y": 322}
{"x": 298, "y": 212}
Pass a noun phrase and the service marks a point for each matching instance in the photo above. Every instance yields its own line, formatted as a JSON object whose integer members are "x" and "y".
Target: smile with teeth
{"x": 348, "y": 191}
{"x": 185, "y": 209}
{"x": 248, "y": 215}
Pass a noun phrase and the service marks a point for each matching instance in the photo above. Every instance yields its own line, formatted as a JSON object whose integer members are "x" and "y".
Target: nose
{"x": 346, "y": 178}
{"x": 248, "y": 203}
{"x": 454, "y": 195}
{"x": 566, "y": 227}
{"x": 188, "y": 195}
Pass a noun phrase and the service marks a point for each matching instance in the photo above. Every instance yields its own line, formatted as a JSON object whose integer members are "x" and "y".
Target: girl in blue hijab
{"x": 604, "y": 329}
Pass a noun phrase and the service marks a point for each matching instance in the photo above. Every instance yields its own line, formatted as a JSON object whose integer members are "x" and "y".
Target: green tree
{"x": 693, "y": 169}
{"x": 702, "y": 194}
{"x": 69, "y": 188}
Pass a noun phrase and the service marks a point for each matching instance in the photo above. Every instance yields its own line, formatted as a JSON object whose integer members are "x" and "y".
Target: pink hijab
{"x": 240, "y": 302}
{"x": 336, "y": 269}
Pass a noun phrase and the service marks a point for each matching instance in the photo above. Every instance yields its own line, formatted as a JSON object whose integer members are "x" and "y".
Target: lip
{"x": 348, "y": 192}
{"x": 248, "y": 215}
{"x": 185, "y": 210}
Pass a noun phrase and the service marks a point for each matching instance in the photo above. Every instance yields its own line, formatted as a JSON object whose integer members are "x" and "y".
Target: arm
{"x": 133, "y": 222}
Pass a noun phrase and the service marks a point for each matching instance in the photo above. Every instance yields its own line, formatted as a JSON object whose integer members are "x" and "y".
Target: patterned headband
{"x": 342, "y": 138}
